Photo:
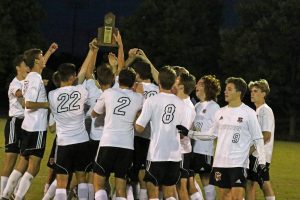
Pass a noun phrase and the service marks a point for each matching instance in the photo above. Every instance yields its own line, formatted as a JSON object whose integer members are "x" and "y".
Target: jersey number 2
{"x": 68, "y": 102}
{"x": 119, "y": 110}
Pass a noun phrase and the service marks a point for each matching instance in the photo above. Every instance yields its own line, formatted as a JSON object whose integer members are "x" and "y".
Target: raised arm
{"x": 92, "y": 64}
{"x": 53, "y": 47}
{"x": 121, "y": 60}
{"x": 142, "y": 55}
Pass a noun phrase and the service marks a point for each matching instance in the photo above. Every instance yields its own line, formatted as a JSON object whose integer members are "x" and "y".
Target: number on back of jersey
{"x": 168, "y": 115}
{"x": 124, "y": 102}
{"x": 68, "y": 102}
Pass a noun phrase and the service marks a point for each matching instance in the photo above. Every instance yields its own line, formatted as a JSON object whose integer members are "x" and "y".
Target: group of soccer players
{"x": 139, "y": 124}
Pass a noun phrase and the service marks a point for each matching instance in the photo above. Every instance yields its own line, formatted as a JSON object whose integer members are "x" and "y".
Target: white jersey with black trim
{"x": 67, "y": 107}
{"x": 150, "y": 90}
{"x": 236, "y": 129}
{"x": 15, "y": 106}
{"x": 34, "y": 91}
{"x": 93, "y": 94}
{"x": 186, "y": 146}
{"x": 97, "y": 122}
{"x": 204, "y": 120}
{"x": 120, "y": 107}
{"x": 116, "y": 84}
{"x": 266, "y": 121}
{"x": 165, "y": 111}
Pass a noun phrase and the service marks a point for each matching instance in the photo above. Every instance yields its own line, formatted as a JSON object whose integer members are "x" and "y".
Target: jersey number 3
{"x": 68, "y": 102}
{"x": 119, "y": 110}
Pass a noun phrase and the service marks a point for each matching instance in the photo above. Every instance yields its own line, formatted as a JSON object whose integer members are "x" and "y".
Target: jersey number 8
{"x": 168, "y": 115}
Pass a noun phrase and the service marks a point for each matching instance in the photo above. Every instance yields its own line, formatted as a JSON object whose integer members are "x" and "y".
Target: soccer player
{"x": 164, "y": 110}
{"x": 207, "y": 90}
{"x": 13, "y": 131}
{"x": 66, "y": 104}
{"x": 259, "y": 91}
{"x": 142, "y": 141}
{"x": 34, "y": 123}
{"x": 237, "y": 128}
{"x": 115, "y": 152}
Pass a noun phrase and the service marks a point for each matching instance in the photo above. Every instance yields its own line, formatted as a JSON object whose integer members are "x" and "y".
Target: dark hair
{"x": 239, "y": 83}
{"x": 180, "y": 70}
{"x": 30, "y": 56}
{"x": 18, "y": 60}
{"x": 188, "y": 81}
{"x": 127, "y": 77}
{"x": 167, "y": 77}
{"x": 143, "y": 69}
{"x": 212, "y": 87}
{"x": 262, "y": 84}
{"x": 105, "y": 75}
{"x": 56, "y": 79}
{"x": 65, "y": 71}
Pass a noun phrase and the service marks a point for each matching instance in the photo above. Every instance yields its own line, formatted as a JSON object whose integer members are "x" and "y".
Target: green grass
{"x": 285, "y": 173}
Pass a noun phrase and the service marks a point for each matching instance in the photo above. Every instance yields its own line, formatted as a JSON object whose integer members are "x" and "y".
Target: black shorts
{"x": 228, "y": 177}
{"x": 51, "y": 160}
{"x": 94, "y": 145}
{"x": 13, "y": 135}
{"x": 201, "y": 164}
{"x": 113, "y": 159}
{"x": 252, "y": 172}
{"x": 185, "y": 165}
{"x": 72, "y": 158}
{"x": 88, "y": 124}
{"x": 141, "y": 146}
{"x": 33, "y": 143}
{"x": 162, "y": 173}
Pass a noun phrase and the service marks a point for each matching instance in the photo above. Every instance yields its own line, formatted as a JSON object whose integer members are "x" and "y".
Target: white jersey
{"x": 204, "y": 120}
{"x": 150, "y": 90}
{"x": 116, "y": 84}
{"x": 236, "y": 129}
{"x": 186, "y": 146}
{"x": 267, "y": 123}
{"x": 67, "y": 107}
{"x": 165, "y": 111}
{"x": 34, "y": 91}
{"x": 120, "y": 107}
{"x": 15, "y": 106}
{"x": 97, "y": 122}
{"x": 93, "y": 94}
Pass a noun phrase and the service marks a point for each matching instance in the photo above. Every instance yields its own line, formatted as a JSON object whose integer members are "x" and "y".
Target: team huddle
{"x": 139, "y": 124}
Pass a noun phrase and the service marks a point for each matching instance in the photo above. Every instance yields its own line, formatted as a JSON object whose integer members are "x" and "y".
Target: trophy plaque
{"x": 105, "y": 33}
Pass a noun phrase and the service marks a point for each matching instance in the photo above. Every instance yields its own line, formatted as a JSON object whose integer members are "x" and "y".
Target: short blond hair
{"x": 262, "y": 84}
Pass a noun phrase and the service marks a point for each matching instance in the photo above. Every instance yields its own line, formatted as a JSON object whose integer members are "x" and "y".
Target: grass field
{"x": 285, "y": 170}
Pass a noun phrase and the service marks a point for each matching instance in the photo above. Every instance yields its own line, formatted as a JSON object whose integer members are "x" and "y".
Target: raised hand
{"x": 118, "y": 38}
{"x": 53, "y": 47}
{"x": 93, "y": 45}
{"x": 112, "y": 59}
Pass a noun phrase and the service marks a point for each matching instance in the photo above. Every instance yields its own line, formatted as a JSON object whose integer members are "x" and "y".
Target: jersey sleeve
{"x": 145, "y": 116}
{"x": 100, "y": 104}
{"x": 13, "y": 88}
{"x": 32, "y": 89}
{"x": 51, "y": 120}
{"x": 265, "y": 120}
{"x": 188, "y": 117}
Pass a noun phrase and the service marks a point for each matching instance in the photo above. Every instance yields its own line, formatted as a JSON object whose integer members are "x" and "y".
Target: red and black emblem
{"x": 218, "y": 176}
{"x": 240, "y": 120}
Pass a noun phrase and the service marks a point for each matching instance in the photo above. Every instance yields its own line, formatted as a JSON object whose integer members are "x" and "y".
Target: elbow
{"x": 139, "y": 128}
{"x": 28, "y": 105}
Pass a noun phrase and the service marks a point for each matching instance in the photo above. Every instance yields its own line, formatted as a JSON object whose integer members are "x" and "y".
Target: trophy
{"x": 105, "y": 33}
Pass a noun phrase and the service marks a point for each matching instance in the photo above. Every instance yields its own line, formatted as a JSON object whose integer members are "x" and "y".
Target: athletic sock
{"x": 196, "y": 196}
{"x": 91, "y": 191}
{"x": 171, "y": 198}
{"x": 143, "y": 194}
{"x": 25, "y": 183}
{"x": 270, "y": 198}
{"x": 198, "y": 188}
{"x": 11, "y": 183}
{"x": 61, "y": 194}
{"x": 3, "y": 184}
{"x": 120, "y": 198}
{"x": 129, "y": 192}
{"x": 83, "y": 191}
{"x": 210, "y": 192}
{"x": 101, "y": 195}
{"x": 51, "y": 191}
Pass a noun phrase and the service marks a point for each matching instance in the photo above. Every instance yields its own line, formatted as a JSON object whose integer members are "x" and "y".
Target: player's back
{"x": 67, "y": 107}
{"x": 150, "y": 89}
{"x": 121, "y": 107}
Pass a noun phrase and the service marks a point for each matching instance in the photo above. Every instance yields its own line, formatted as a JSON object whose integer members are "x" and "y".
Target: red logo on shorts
{"x": 218, "y": 176}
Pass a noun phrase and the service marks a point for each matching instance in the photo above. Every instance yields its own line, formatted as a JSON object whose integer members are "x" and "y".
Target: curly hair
{"x": 212, "y": 87}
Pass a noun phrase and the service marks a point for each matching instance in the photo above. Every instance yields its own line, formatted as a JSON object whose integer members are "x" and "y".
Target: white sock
{"x": 91, "y": 191}
{"x": 143, "y": 194}
{"x": 3, "y": 184}
{"x": 161, "y": 194}
{"x": 171, "y": 198}
{"x": 154, "y": 199}
{"x": 210, "y": 192}
{"x": 17, "y": 187}
{"x": 83, "y": 191}
{"x": 51, "y": 191}
{"x": 196, "y": 196}
{"x": 11, "y": 183}
{"x": 101, "y": 195}
{"x": 129, "y": 192}
{"x": 25, "y": 183}
{"x": 270, "y": 198}
{"x": 61, "y": 194}
{"x": 120, "y": 198}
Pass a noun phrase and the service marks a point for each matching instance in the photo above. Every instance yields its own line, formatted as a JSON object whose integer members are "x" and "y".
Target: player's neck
{"x": 259, "y": 103}
{"x": 146, "y": 81}
{"x": 105, "y": 87}
{"x": 165, "y": 91}
{"x": 65, "y": 84}
{"x": 182, "y": 96}
{"x": 235, "y": 103}
{"x": 20, "y": 77}
{"x": 37, "y": 70}
{"x": 124, "y": 87}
